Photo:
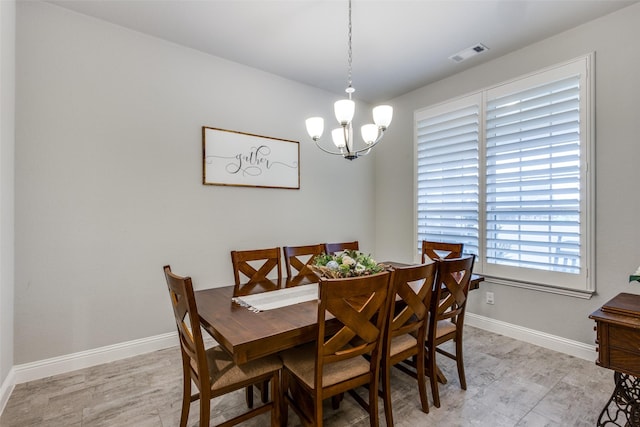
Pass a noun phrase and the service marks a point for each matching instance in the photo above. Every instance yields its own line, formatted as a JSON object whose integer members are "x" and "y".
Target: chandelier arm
{"x": 364, "y": 151}
{"x": 369, "y": 147}
{"x": 337, "y": 153}
{"x": 361, "y": 152}
{"x": 351, "y": 154}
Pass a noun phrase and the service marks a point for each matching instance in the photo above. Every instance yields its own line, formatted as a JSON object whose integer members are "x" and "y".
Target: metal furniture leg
{"x": 623, "y": 407}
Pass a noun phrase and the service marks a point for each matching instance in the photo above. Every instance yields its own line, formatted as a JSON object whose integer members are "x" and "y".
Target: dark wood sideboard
{"x": 618, "y": 346}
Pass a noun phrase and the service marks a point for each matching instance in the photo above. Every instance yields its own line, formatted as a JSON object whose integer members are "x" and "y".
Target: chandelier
{"x": 344, "y": 111}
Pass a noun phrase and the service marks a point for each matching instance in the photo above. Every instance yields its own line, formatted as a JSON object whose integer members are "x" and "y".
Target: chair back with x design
{"x": 297, "y": 260}
{"x": 255, "y": 266}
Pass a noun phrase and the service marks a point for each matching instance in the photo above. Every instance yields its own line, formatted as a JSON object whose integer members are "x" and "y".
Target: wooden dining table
{"x": 248, "y": 335}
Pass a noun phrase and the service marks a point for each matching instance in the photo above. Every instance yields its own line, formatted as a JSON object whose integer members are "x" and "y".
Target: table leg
{"x": 623, "y": 407}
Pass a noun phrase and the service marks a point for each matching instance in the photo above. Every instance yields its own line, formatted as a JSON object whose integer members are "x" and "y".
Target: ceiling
{"x": 398, "y": 45}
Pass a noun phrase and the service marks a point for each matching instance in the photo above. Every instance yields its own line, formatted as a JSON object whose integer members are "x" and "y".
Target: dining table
{"x": 248, "y": 334}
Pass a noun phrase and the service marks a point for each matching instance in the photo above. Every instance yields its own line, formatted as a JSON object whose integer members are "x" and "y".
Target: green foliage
{"x": 348, "y": 263}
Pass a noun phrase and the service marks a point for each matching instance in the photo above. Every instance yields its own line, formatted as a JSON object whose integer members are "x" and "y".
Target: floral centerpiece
{"x": 349, "y": 263}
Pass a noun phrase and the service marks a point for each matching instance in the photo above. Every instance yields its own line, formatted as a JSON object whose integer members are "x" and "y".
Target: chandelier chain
{"x": 350, "y": 55}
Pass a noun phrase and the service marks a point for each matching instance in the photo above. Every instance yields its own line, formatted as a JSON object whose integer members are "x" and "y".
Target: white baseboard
{"x": 542, "y": 339}
{"x": 7, "y": 388}
{"x": 84, "y": 359}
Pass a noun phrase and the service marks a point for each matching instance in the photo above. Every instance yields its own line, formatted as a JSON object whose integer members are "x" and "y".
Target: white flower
{"x": 333, "y": 265}
{"x": 345, "y": 264}
{"x": 347, "y": 260}
{"x": 637, "y": 273}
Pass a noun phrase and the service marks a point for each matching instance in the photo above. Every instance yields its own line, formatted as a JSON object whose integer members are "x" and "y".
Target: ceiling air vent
{"x": 468, "y": 52}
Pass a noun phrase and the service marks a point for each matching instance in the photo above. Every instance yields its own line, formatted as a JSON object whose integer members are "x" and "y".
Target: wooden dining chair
{"x": 440, "y": 250}
{"x": 448, "y": 306}
{"x": 212, "y": 370}
{"x": 251, "y": 271}
{"x": 298, "y": 258}
{"x": 252, "y": 268}
{"x": 406, "y": 329}
{"x": 335, "y": 363}
{"x": 331, "y": 248}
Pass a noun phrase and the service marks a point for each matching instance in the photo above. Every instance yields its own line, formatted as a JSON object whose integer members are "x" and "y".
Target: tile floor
{"x": 509, "y": 383}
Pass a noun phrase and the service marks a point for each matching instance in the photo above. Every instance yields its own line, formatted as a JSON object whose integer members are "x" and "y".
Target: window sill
{"x": 584, "y": 294}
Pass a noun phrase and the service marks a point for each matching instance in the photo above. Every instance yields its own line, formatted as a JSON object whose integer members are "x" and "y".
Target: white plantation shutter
{"x": 533, "y": 178}
{"x": 505, "y": 172}
{"x": 447, "y": 173}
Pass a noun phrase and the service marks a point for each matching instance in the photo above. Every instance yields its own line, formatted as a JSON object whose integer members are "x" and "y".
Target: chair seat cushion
{"x": 445, "y": 327}
{"x": 224, "y": 372}
{"x": 402, "y": 343}
{"x": 301, "y": 362}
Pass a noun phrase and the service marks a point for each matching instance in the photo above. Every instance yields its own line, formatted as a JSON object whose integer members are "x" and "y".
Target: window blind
{"x": 447, "y": 175}
{"x": 533, "y": 178}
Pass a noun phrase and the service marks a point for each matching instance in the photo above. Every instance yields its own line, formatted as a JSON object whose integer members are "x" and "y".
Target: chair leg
{"x": 248, "y": 396}
{"x": 335, "y": 401}
{"x": 422, "y": 384}
{"x": 265, "y": 391}
{"x": 275, "y": 396}
{"x": 386, "y": 392}
{"x": 186, "y": 398}
{"x": 460, "y": 363}
{"x": 433, "y": 375}
{"x": 373, "y": 401}
{"x": 317, "y": 410}
{"x": 284, "y": 390}
{"x": 205, "y": 409}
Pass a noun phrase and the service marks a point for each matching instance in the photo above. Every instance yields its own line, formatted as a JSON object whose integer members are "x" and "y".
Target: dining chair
{"x": 446, "y": 318}
{"x": 440, "y": 250}
{"x": 335, "y": 363}
{"x": 298, "y": 258}
{"x": 331, "y": 248}
{"x": 406, "y": 329}
{"x": 251, "y": 270}
{"x": 212, "y": 370}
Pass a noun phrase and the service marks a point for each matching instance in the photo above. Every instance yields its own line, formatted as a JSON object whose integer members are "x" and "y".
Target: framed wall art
{"x": 243, "y": 159}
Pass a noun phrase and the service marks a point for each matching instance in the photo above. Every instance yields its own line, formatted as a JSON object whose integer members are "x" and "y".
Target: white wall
{"x": 108, "y": 179}
{"x": 617, "y": 171}
{"x": 7, "y": 140}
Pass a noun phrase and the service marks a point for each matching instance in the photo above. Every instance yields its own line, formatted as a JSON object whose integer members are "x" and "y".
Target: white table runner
{"x": 280, "y": 298}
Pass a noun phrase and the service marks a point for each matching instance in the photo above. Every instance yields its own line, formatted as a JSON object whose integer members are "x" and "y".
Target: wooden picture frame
{"x": 247, "y": 160}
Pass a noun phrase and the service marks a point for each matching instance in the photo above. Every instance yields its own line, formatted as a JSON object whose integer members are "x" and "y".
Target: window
{"x": 505, "y": 171}
{"x": 447, "y": 165}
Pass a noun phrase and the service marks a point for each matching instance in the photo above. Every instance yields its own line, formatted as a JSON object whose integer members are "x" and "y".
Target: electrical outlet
{"x": 489, "y": 296}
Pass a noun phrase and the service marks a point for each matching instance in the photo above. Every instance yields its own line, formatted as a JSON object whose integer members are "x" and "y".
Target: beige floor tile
{"x": 509, "y": 383}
